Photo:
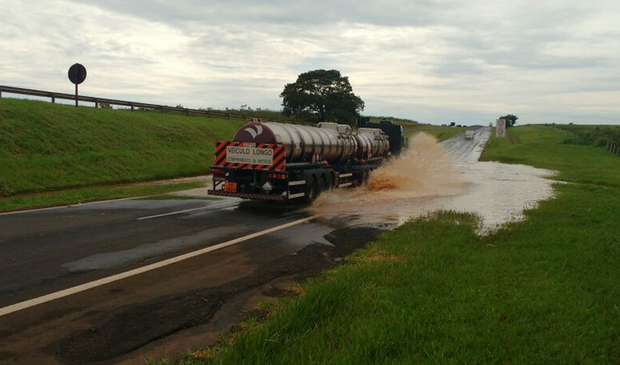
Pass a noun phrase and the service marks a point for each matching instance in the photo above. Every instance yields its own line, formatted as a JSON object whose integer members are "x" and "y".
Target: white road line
{"x": 80, "y": 288}
{"x": 173, "y": 213}
{"x": 215, "y": 206}
{"x": 76, "y": 205}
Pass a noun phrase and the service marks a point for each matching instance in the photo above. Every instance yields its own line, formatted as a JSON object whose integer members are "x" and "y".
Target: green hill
{"x": 45, "y": 146}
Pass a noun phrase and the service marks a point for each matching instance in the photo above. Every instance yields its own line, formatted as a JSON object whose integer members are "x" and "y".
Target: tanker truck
{"x": 278, "y": 162}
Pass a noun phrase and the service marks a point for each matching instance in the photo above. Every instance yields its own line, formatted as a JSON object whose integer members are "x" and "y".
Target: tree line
{"x": 326, "y": 95}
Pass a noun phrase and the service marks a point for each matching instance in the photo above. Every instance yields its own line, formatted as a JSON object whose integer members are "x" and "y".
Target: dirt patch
{"x": 133, "y": 327}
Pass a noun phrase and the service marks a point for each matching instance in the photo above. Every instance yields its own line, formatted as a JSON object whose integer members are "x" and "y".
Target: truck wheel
{"x": 312, "y": 191}
{"x": 323, "y": 185}
{"x": 363, "y": 179}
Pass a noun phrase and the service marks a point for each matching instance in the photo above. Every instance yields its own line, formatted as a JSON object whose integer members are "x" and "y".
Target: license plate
{"x": 230, "y": 187}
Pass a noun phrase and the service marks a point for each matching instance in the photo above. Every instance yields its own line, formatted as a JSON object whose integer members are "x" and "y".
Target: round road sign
{"x": 77, "y": 73}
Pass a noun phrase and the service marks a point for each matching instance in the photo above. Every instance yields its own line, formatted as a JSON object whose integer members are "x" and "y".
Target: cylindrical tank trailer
{"x": 276, "y": 161}
{"x": 329, "y": 142}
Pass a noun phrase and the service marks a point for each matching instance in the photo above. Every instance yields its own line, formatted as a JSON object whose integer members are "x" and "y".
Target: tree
{"x": 511, "y": 120}
{"x": 324, "y": 95}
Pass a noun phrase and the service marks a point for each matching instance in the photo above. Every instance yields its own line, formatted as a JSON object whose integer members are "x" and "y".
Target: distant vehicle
{"x": 469, "y": 134}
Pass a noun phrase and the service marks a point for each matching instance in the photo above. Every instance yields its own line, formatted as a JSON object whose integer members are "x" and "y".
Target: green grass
{"x": 597, "y": 135}
{"x": 73, "y": 152}
{"x": 544, "y": 147}
{"x": 45, "y": 146}
{"x": 90, "y": 194}
{"x": 440, "y": 133}
{"x": 541, "y": 291}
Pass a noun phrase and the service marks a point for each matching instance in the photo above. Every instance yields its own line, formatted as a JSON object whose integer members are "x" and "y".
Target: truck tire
{"x": 362, "y": 180}
{"x": 312, "y": 190}
{"x": 323, "y": 184}
{"x": 365, "y": 178}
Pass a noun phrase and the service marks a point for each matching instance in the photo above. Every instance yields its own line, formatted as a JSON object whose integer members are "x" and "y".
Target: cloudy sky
{"x": 434, "y": 61}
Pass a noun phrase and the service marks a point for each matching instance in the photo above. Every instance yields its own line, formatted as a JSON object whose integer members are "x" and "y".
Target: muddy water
{"x": 429, "y": 179}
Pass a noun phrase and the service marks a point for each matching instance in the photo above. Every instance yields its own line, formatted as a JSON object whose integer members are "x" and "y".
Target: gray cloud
{"x": 430, "y": 60}
{"x": 402, "y": 12}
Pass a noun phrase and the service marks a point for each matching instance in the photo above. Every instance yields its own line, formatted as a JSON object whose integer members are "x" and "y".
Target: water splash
{"x": 425, "y": 170}
{"x": 427, "y": 179}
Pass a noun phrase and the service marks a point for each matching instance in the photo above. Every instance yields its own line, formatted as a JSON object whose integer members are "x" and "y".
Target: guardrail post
{"x": 228, "y": 116}
{"x": 186, "y": 112}
{"x": 53, "y": 98}
{"x": 161, "y": 109}
{"x": 131, "y": 104}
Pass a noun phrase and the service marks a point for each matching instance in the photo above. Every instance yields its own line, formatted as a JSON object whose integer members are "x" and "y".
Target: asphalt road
{"x": 49, "y": 250}
{"x": 468, "y": 150}
{"x": 163, "y": 312}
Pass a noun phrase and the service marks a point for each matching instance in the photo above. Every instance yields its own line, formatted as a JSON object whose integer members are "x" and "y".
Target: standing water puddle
{"x": 427, "y": 179}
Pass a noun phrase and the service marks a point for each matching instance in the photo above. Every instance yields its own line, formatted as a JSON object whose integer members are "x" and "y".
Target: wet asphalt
{"x": 49, "y": 250}
{"x": 45, "y": 251}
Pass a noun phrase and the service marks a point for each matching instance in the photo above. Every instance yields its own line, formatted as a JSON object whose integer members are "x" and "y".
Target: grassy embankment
{"x": 540, "y": 291}
{"x": 57, "y": 154}
{"x": 591, "y": 134}
{"x": 78, "y": 153}
{"x": 440, "y": 133}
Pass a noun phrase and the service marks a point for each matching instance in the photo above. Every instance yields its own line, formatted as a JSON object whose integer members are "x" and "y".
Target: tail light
{"x": 277, "y": 176}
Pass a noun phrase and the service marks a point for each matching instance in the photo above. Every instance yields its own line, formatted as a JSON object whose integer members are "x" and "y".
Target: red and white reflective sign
{"x": 500, "y": 128}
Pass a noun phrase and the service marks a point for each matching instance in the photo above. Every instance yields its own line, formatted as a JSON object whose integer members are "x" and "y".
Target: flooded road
{"x": 437, "y": 176}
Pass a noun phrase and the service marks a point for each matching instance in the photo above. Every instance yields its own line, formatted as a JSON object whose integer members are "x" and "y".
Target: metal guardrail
{"x": 131, "y": 104}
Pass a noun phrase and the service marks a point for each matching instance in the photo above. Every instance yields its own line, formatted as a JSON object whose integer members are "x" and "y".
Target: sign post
{"x": 77, "y": 75}
{"x": 500, "y": 129}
